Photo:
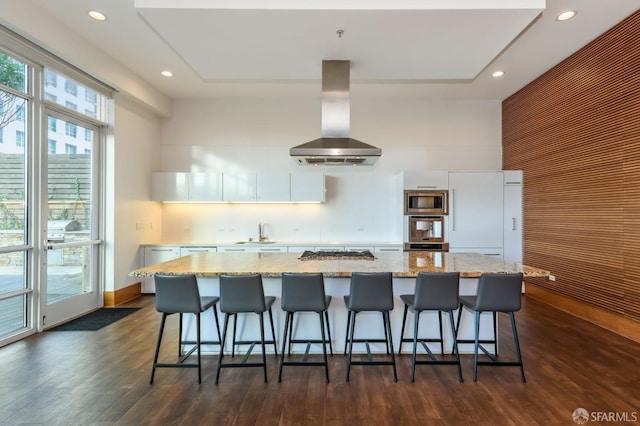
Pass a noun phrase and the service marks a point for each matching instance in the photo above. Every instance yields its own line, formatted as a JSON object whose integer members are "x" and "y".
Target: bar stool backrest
{"x": 177, "y": 294}
{"x": 499, "y": 292}
{"x": 303, "y": 292}
{"x": 437, "y": 291}
{"x": 241, "y": 293}
{"x": 371, "y": 291}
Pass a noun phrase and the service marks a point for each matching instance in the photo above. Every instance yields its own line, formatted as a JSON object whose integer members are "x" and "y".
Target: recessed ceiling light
{"x": 566, "y": 15}
{"x": 98, "y": 16}
{"x": 167, "y": 73}
{"x": 497, "y": 74}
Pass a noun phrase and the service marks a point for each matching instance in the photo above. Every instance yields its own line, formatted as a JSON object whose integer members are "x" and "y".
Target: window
{"x": 71, "y": 87}
{"x": 1, "y": 133}
{"x": 87, "y": 100}
{"x": 50, "y": 79}
{"x": 88, "y": 135}
{"x": 69, "y": 149}
{"x": 19, "y": 138}
{"x": 53, "y": 124}
{"x": 70, "y": 129}
{"x": 87, "y": 151}
{"x": 52, "y": 146}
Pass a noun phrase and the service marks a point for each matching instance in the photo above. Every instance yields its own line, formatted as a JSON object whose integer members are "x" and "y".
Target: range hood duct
{"x": 335, "y": 147}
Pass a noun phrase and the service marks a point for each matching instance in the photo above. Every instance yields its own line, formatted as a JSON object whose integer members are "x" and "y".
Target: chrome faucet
{"x": 261, "y": 236}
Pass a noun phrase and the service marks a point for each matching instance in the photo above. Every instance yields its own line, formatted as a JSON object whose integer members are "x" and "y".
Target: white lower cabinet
{"x": 389, "y": 248}
{"x": 497, "y": 253}
{"x": 329, "y": 248}
{"x": 186, "y": 251}
{"x": 232, "y": 249}
{"x": 157, "y": 254}
{"x": 359, "y": 248}
{"x": 252, "y": 249}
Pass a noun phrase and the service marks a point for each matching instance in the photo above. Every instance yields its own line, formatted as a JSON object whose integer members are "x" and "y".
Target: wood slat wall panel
{"x": 575, "y": 131}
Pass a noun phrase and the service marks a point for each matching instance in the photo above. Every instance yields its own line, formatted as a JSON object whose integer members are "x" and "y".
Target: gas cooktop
{"x": 337, "y": 255}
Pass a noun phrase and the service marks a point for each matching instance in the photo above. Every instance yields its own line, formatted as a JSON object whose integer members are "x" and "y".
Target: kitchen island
{"x": 404, "y": 266}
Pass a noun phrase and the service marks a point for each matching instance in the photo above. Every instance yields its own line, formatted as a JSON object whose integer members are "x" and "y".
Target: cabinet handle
{"x": 234, "y": 249}
{"x": 273, "y": 249}
{"x": 388, "y": 249}
{"x": 154, "y": 249}
{"x": 492, "y": 254}
{"x": 426, "y": 186}
{"x": 514, "y": 223}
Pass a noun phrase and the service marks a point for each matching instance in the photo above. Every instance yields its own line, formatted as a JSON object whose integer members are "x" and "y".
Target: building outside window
{"x": 70, "y": 130}
{"x": 71, "y": 87}
{"x": 20, "y": 113}
{"x": 50, "y": 78}
{"x": 69, "y": 149}
{"x": 52, "y": 146}
{"x": 51, "y": 97}
{"x": 88, "y": 135}
{"x": 19, "y": 138}
{"x": 71, "y": 105}
{"x": 1, "y": 135}
{"x": 53, "y": 124}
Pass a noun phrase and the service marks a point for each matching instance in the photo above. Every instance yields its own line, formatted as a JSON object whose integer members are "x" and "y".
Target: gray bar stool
{"x": 304, "y": 292}
{"x": 496, "y": 293}
{"x": 244, "y": 294}
{"x": 179, "y": 294}
{"x": 370, "y": 292}
{"x": 433, "y": 292}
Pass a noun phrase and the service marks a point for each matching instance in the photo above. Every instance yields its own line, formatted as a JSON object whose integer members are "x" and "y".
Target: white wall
{"x": 363, "y": 203}
{"x": 132, "y": 154}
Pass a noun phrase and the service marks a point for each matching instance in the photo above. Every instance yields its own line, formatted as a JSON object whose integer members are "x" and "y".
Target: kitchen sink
{"x": 256, "y": 242}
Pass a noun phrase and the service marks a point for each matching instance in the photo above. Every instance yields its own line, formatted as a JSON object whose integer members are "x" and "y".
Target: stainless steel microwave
{"x": 426, "y": 202}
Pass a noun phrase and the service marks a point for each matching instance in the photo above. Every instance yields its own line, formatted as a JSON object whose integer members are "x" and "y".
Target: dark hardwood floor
{"x": 102, "y": 378}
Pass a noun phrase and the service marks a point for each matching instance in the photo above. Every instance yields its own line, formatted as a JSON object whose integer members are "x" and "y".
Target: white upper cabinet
{"x": 182, "y": 186}
{"x": 426, "y": 179}
{"x": 307, "y": 187}
{"x": 239, "y": 187}
{"x": 273, "y": 187}
{"x": 512, "y": 177}
{"x": 475, "y": 210}
{"x": 205, "y": 186}
{"x": 170, "y": 186}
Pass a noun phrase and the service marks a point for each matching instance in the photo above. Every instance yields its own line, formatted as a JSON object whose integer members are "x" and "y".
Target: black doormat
{"x": 95, "y": 320}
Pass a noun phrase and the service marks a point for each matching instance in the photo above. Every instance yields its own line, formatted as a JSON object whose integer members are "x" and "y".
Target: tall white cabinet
{"x": 485, "y": 213}
{"x": 476, "y": 212}
{"x": 512, "y": 231}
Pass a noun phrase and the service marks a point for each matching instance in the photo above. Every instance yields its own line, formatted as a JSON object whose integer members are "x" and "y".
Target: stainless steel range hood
{"x": 335, "y": 147}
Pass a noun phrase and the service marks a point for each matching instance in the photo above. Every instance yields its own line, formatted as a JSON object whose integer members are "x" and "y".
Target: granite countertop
{"x": 401, "y": 264}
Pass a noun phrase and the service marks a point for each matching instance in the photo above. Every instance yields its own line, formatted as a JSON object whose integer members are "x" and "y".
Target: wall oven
{"x": 425, "y": 233}
{"x": 426, "y": 202}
